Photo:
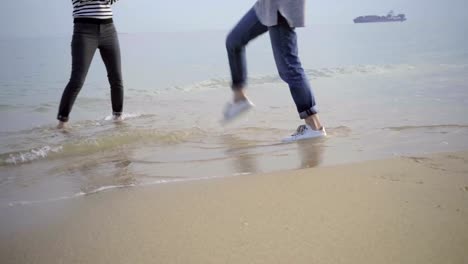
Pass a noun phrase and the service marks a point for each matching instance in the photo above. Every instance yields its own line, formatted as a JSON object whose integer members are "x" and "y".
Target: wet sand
{"x": 402, "y": 210}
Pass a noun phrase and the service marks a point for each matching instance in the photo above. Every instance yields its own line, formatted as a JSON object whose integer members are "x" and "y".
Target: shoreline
{"x": 401, "y": 210}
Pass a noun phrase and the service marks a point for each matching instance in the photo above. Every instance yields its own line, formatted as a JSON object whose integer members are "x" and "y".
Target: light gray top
{"x": 292, "y": 10}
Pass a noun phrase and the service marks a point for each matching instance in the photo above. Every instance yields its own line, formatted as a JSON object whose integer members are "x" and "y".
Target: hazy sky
{"x": 53, "y": 17}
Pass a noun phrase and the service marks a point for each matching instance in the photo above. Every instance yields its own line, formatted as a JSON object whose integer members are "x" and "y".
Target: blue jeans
{"x": 284, "y": 44}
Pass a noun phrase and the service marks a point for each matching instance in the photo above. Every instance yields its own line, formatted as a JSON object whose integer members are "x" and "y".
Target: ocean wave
{"x": 103, "y": 142}
{"x": 454, "y": 66}
{"x": 332, "y": 72}
{"x": 49, "y": 129}
{"x": 430, "y": 127}
{"x": 214, "y": 83}
{"x": 110, "y": 188}
{"x": 339, "y": 131}
{"x": 126, "y": 116}
{"x": 31, "y": 155}
{"x": 5, "y": 107}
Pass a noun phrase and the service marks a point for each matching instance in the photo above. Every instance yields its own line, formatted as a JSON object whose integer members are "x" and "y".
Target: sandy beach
{"x": 401, "y": 210}
{"x": 175, "y": 183}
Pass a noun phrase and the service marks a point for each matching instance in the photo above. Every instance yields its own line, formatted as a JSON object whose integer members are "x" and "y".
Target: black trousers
{"x": 87, "y": 38}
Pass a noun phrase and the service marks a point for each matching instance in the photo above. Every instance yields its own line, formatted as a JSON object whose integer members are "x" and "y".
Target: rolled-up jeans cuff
{"x": 62, "y": 118}
{"x": 309, "y": 112}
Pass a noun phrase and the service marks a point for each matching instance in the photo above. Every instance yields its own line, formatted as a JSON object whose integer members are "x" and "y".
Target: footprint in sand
{"x": 419, "y": 159}
{"x": 427, "y": 162}
{"x": 453, "y": 157}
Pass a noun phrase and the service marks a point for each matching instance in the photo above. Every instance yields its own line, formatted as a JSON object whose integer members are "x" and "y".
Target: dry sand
{"x": 404, "y": 210}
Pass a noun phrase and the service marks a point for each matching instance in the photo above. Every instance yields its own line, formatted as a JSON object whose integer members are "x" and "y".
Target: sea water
{"x": 383, "y": 90}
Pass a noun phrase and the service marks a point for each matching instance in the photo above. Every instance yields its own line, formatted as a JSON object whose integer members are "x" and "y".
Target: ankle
{"x": 314, "y": 122}
{"x": 313, "y": 126}
{"x": 239, "y": 95}
{"x": 61, "y": 125}
{"x": 117, "y": 118}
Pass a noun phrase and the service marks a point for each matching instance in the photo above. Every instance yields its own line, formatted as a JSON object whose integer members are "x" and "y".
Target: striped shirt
{"x": 98, "y": 9}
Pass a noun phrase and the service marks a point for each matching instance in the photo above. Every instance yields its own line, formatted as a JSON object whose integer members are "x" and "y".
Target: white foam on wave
{"x": 77, "y": 146}
{"x": 107, "y": 188}
{"x": 331, "y": 72}
{"x": 34, "y": 154}
{"x": 124, "y": 116}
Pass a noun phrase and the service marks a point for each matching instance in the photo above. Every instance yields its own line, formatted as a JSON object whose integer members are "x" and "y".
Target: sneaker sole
{"x": 302, "y": 139}
{"x": 239, "y": 114}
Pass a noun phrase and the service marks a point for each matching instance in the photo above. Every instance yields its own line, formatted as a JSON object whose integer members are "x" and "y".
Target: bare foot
{"x": 239, "y": 95}
{"x": 117, "y": 119}
{"x": 62, "y": 125}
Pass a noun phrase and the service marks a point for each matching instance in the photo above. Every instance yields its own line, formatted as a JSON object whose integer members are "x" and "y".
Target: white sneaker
{"x": 235, "y": 109}
{"x": 305, "y": 132}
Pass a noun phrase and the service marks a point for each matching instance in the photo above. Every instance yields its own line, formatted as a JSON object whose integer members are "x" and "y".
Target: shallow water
{"x": 383, "y": 91}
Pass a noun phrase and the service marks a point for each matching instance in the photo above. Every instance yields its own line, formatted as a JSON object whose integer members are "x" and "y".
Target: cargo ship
{"x": 390, "y": 17}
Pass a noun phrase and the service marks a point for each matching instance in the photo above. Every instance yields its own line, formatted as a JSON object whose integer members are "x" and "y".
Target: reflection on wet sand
{"x": 311, "y": 152}
{"x": 243, "y": 162}
{"x": 247, "y": 159}
{"x": 94, "y": 172}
